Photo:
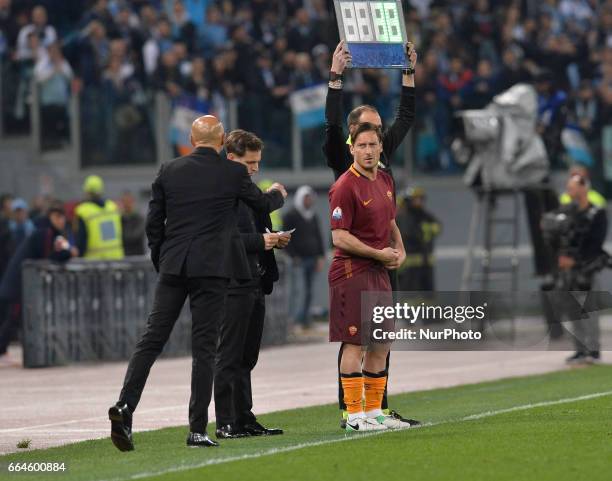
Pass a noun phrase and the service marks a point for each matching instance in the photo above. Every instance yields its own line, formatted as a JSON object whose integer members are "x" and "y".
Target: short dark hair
{"x": 56, "y": 207}
{"x": 367, "y": 127}
{"x": 239, "y": 141}
{"x": 355, "y": 115}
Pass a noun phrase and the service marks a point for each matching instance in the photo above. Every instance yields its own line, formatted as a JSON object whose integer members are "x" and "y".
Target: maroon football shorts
{"x": 349, "y": 317}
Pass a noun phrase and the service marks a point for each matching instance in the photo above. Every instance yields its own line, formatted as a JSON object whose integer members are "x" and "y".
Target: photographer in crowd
{"x": 577, "y": 232}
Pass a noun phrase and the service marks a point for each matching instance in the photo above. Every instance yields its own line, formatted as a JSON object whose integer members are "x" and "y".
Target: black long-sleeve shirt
{"x": 335, "y": 148}
{"x": 593, "y": 222}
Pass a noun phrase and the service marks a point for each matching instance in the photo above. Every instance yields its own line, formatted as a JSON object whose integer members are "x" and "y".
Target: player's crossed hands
{"x": 391, "y": 258}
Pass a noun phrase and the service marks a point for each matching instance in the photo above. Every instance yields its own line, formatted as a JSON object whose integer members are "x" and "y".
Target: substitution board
{"x": 374, "y": 32}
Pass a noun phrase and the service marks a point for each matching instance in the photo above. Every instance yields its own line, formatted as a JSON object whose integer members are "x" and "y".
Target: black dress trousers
{"x": 237, "y": 355}
{"x": 207, "y": 302}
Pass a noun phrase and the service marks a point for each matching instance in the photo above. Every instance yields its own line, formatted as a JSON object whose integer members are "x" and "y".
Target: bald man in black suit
{"x": 190, "y": 225}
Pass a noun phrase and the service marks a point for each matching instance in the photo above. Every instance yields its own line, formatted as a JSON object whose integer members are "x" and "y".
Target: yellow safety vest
{"x": 104, "y": 236}
{"x": 593, "y": 196}
{"x": 275, "y": 217}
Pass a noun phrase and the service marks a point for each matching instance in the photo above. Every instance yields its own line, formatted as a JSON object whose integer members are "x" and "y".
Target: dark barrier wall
{"x": 97, "y": 311}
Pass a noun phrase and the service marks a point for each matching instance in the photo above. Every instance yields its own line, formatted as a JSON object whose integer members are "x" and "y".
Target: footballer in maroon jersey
{"x": 368, "y": 243}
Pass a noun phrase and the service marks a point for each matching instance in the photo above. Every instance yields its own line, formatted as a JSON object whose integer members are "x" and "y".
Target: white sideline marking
{"x": 351, "y": 437}
{"x": 283, "y": 392}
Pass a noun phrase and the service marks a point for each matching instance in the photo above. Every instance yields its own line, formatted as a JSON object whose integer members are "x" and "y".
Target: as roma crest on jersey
{"x": 353, "y": 330}
{"x": 390, "y": 195}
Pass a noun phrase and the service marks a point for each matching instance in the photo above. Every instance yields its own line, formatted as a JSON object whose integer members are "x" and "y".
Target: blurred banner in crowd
{"x": 185, "y": 109}
{"x": 308, "y": 106}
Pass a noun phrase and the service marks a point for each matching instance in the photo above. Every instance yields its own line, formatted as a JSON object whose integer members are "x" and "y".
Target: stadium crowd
{"x": 117, "y": 52}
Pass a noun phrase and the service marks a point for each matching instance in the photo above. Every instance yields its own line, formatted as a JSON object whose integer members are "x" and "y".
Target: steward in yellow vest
{"x": 419, "y": 229}
{"x": 594, "y": 197}
{"x": 99, "y": 233}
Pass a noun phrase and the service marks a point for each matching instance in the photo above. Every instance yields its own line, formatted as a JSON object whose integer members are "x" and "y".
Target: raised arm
{"x": 406, "y": 112}
{"x": 334, "y": 146}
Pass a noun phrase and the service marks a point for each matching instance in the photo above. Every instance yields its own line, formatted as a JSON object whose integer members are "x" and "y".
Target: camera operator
{"x": 577, "y": 232}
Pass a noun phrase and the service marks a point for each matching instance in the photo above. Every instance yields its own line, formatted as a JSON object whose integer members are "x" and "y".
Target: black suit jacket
{"x": 252, "y": 225}
{"x": 192, "y": 217}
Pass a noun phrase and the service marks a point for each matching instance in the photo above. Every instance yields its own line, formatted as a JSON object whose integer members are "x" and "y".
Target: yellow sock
{"x": 374, "y": 391}
{"x": 353, "y": 392}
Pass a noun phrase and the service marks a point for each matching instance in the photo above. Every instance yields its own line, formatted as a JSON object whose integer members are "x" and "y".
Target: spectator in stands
{"x": 604, "y": 85}
{"x": 267, "y": 28}
{"x": 304, "y": 74}
{"x": 243, "y": 49}
{"x": 5, "y": 233}
{"x": 40, "y": 29}
{"x": 324, "y": 23}
{"x": 569, "y": 37}
{"x": 195, "y": 9}
{"x": 214, "y": 33}
{"x": 51, "y": 240}
{"x": 20, "y": 225}
{"x": 198, "y": 83}
{"x": 122, "y": 93}
{"x": 222, "y": 75}
{"x": 302, "y": 37}
{"x": 552, "y": 113}
{"x": 132, "y": 226}
{"x": 25, "y": 66}
{"x": 584, "y": 110}
{"x": 9, "y": 28}
{"x": 38, "y": 209}
{"x": 168, "y": 75}
{"x": 54, "y": 75}
{"x": 482, "y": 29}
{"x": 157, "y": 45}
{"x": 183, "y": 28}
{"x": 450, "y": 86}
{"x": 98, "y": 224}
{"x": 259, "y": 85}
{"x": 93, "y": 53}
{"x": 126, "y": 29}
{"x": 512, "y": 69}
{"x": 322, "y": 60}
{"x": 481, "y": 89}
{"x": 183, "y": 59}
{"x": 100, "y": 12}
{"x": 306, "y": 249}
{"x": 148, "y": 20}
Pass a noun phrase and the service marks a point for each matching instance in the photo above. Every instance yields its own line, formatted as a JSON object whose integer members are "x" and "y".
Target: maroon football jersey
{"x": 365, "y": 208}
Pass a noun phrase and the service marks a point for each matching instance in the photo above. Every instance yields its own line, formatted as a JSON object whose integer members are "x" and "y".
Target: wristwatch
{"x": 408, "y": 71}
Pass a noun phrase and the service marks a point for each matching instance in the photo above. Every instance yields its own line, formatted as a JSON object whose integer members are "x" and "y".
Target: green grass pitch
{"x": 549, "y": 427}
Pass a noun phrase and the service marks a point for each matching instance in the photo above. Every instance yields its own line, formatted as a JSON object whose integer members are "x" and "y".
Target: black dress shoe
{"x": 121, "y": 427}
{"x": 200, "y": 440}
{"x": 227, "y": 431}
{"x": 256, "y": 429}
